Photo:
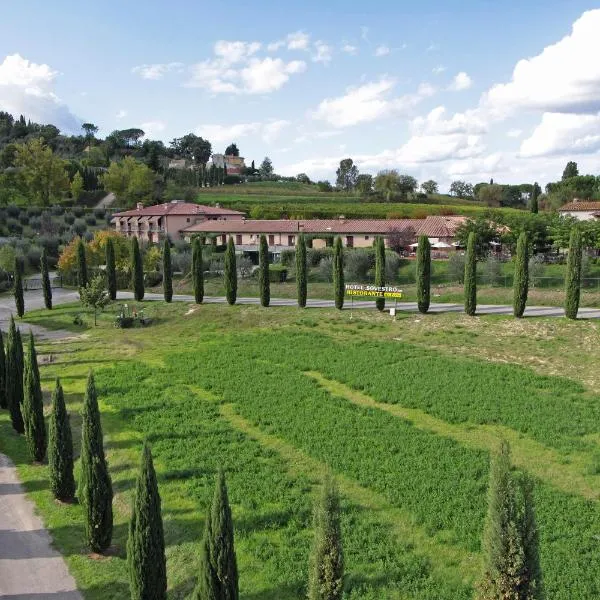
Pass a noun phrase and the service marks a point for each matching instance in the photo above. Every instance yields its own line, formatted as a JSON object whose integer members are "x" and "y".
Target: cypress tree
{"x": 230, "y": 273}
{"x": 301, "y": 270}
{"x": 18, "y": 291}
{"x": 338, "y": 273}
{"x": 14, "y": 378}
{"x": 60, "y": 448}
{"x": 379, "y": 269}
{"x": 137, "y": 270}
{"x": 33, "y": 406}
{"x": 423, "y": 274}
{"x": 167, "y": 272}
{"x": 471, "y": 275}
{"x": 573, "y": 282}
{"x": 521, "y": 277}
{"x": 264, "y": 282}
{"x": 95, "y": 487}
{"x": 111, "y": 271}
{"x": 82, "y": 274}
{"x": 197, "y": 270}
{"x": 326, "y": 579}
{"x": 3, "y": 397}
{"x": 146, "y": 560}
{"x": 46, "y": 287}
{"x": 533, "y": 203}
{"x": 218, "y": 578}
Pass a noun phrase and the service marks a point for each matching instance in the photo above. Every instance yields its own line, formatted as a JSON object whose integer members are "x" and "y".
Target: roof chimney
{"x": 140, "y": 206}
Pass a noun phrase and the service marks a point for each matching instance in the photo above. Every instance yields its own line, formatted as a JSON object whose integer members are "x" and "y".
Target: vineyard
{"x": 403, "y": 413}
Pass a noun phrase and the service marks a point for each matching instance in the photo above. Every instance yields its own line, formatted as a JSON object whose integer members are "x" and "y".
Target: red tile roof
{"x": 440, "y": 227}
{"x": 177, "y": 208}
{"x": 579, "y": 205}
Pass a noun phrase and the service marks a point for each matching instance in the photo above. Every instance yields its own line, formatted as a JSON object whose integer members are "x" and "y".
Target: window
{"x": 271, "y": 240}
{"x": 350, "y": 241}
{"x": 188, "y": 219}
{"x": 291, "y": 240}
{"x": 238, "y": 239}
{"x": 366, "y": 237}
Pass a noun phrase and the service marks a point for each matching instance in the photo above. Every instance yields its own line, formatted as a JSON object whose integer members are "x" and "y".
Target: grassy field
{"x": 404, "y": 412}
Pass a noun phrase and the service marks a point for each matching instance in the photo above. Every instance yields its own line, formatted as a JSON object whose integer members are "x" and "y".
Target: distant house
{"x": 582, "y": 210}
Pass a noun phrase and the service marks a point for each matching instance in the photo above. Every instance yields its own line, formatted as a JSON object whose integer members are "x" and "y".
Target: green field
{"x": 403, "y": 412}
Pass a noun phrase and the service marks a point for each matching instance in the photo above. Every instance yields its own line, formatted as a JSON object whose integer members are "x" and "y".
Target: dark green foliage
{"x": 18, "y": 291}
{"x": 521, "y": 278}
{"x": 60, "y": 448}
{"x": 533, "y": 201}
{"x": 263, "y": 272}
{"x": 230, "y": 273}
{"x": 95, "y": 487}
{"x": 338, "y": 273}
{"x": 423, "y": 274}
{"x": 33, "y": 406}
{"x": 82, "y": 274}
{"x": 3, "y": 397}
{"x": 326, "y": 578}
{"x": 137, "y": 271}
{"x": 379, "y": 269}
{"x": 218, "y": 579}
{"x": 146, "y": 560}
{"x": 111, "y": 271}
{"x": 197, "y": 270}
{"x": 301, "y": 286}
{"x": 167, "y": 272}
{"x": 471, "y": 275}
{"x": 573, "y": 281}
{"x": 46, "y": 287}
{"x": 14, "y": 377}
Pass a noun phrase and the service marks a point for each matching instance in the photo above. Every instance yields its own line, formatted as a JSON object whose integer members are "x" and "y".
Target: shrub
{"x": 153, "y": 278}
{"x": 35, "y": 223}
{"x": 24, "y": 218}
{"x": 69, "y": 218}
{"x": 278, "y": 273}
{"x": 34, "y": 254}
{"x": 34, "y": 211}
{"x": 358, "y": 264}
{"x": 325, "y": 270}
{"x": 14, "y": 226}
{"x": 471, "y": 275}
{"x": 13, "y": 211}
{"x": 287, "y": 257}
{"x": 423, "y": 274}
{"x": 79, "y": 227}
{"x": 78, "y": 211}
{"x": 182, "y": 262}
{"x": 456, "y": 268}
{"x": 91, "y": 220}
{"x": 492, "y": 268}
{"x": 99, "y": 212}
{"x": 57, "y": 210}
{"x": 314, "y": 256}
{"x": 392, "y": 266}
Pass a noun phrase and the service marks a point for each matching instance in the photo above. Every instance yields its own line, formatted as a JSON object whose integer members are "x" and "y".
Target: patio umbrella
{"x": 413, "y": 245}
{"x": 441, "y": 245}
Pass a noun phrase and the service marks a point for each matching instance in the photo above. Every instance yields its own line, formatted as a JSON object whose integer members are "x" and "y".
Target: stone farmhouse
{"x": 582, "y": 210}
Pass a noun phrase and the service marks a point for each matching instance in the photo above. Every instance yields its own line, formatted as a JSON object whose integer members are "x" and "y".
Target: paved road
{"x": 30, "y": 569}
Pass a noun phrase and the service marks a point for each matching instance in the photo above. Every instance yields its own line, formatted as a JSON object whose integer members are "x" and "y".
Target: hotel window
{"x": 188, "y": 219}
{"x": 238, "y": 239}
{"x": 350, "y": 241}
{"x": 291, "y": 240}
{"x": 366, "y": 237}
{"x": 271, "y": 240}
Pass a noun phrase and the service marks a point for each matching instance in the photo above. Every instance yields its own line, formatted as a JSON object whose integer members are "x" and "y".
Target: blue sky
{"x": 438, "y": 89}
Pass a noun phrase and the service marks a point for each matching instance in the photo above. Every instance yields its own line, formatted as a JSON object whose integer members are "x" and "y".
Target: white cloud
{"x": 298, "y": 41}
{"x": 156, "y": 71}
{"x": 268, "y": 131}
{"x": 121, "y": 114}
{"x": 272, "y": 130}
{"x": 381, "y": 51}
{"x": 28, "y": 88}
{"x": 234, "y": 52}
{"x": 460, "y": 82}
{"x": 151, "y": 128}
{"x": 350, "y": 49}
{"x": 432, "y": 47}
{"x": 267, "y": 75}
{"x": 323, "y": 52}
{"x": 274, "y": 46}
{"x": 438, "y": 70}
{"x": 514, "y": 133}
{"x": 468, "y": 122}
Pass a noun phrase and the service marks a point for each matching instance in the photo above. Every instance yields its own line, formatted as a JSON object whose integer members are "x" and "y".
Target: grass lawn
{"x": 404, "y": 413}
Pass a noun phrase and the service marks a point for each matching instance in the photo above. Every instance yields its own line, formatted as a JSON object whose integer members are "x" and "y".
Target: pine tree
{"x": 218, "y": 578}
{"x": 60, "y": 448}
{"x": 423, "y": 274}
{"x": 46, "y": 287}
{"x": 146, "y": 560}
{"x": 82, "y": 274}
{"x": 95, "y": 487}
{"x": 533, "y": 202}
{"x": 111, "y": 271}
{"x": 14, "y": 377}
{"x": 3, "y": 396}
{"x": 379, "y": 269}
{"x": 326, "y": 578}
{"x": 521, "y": 277}
{"x": 338, "y": 273}
{"x": 19, "y": 298}
{"x": 264, "y": 282}
{"x": 33, "y": 406}
{"x": 137, "y": 270}
{"x": 301, "y": 271}
{"x": 573, "y": 282}
{"x": 167, "y": 272}
{"x": 230, "y": 273}
{"x": 471, "y": 275}
{"x": 197, "y": 270}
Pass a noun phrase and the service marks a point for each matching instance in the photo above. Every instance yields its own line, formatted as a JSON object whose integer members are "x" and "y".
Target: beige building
{"x": 581, "y": 210}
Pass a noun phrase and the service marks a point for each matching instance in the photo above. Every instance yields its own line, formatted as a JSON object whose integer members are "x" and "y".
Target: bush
{"x": 392, "y": 266}
{"x": 24, "y": 218}
{"x": 78, "y": 211}
{"x": 99, "y": 212}
{"x": 50, "y": 243}
{"x": 314, "y": 256}
{"x": 153, "y": 278}
{"x": 14, "y": 226}
{"x": 492, "y": 269}
{"x": 33, "y": 256}
{"x": 35, "y": 223}
{"x": 91, "y": 220}
{"x": 57, "y": 210}
{"x": 13, "y": 211}
{"x": 456, "y": 268}
{"x": 288, "y": 257}
{"x": 232, "y": 179}
{"x": 69, "y": 218}
{"x": 277, "y": 273}
{"x": 88, "y": 236}
{"x": 358, "y": 264}
{"x": 182, "y": 246}
{"x": 79, "y": 227}
{"x": 325, "y": 270}
{"x": 34, "y": 211}
{"x": 181, "y": 262}
{"x": 245, "y": 266}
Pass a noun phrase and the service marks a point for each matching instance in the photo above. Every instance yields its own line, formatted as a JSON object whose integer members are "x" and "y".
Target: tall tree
{"x": 3, "y": 397}
{"x": 346, "y": 175}
{"x": 232, "y": 150}
{"x": 218, "y": 578}
{"x": 379, "y": 269}
{"x": 533, "y": 200}
{"x": 146, "y": 560}
{"x": 573, "y": 281}
{"x": 338, "y": 273}
{"x": 46, "y": 287}
{"x": 264, "y": 282}
{"x": 60, "y": 448}
{"x": 326, "y": 579}
{"x": 94, "y": 296}
{"x": 95, "y": 487}
{"x": 301, "y": 285}
{"x": 423, "y": 274}
{"x": 471, "y": 275}
{"x": 571, "y": 170}
{"x": 33, "y": 406}
{"x": 82, "y": 273}
{"x": 14, "y": 377}
{"x": 137, "y": 270}
{"x": 230, "y": 269}
{"x": 521, "y": 277}
{"x": 18, "y": 291}
{"x": 167, "y": 271}
{"x": 111, "y": 271}
{"x": 197, "y": 270}
{"x": 266, "y": 168}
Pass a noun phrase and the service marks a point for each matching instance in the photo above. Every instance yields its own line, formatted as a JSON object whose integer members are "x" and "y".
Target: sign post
{"x": 372, "y": 291}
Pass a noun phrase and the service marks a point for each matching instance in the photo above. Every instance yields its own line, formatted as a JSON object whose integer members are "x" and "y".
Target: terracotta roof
{"x": 579, "y": 205}
{"x": 177, "y": 208}
{"x": 440, "y": 227}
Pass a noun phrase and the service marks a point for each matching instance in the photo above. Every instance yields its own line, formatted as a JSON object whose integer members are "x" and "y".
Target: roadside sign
{"x": 372, "y": 291}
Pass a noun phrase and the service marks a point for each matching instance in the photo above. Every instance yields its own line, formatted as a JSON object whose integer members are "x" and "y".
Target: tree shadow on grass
{"x": 289, "y": 590}
{"x": 33, "y": 485}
